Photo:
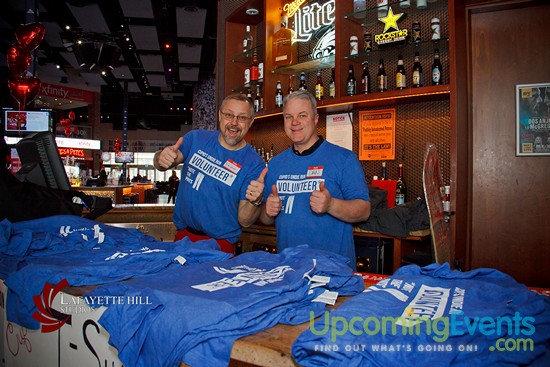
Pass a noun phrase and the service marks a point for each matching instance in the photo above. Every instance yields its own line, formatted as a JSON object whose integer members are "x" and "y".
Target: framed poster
{"x": 377, "y": 135}
{"x": 533, "y": 119}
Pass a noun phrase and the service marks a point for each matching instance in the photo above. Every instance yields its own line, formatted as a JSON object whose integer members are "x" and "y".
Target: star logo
{"x": 390, "y": 20}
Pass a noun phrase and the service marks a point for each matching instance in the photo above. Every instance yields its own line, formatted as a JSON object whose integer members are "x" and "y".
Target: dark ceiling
{"x": 136, "y": 35}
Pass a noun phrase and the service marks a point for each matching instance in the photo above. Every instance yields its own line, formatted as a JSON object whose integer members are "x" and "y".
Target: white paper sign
{"x": 340, "y": 130}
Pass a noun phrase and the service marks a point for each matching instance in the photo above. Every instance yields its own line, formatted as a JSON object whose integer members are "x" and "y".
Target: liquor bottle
{"x": 383, "y": 172}
{"x": 400, "y": 74}
{"x": 382, "y": 78}
{"x": 290, "y": 83}
{"x": 365, "y": 78}
{"x": 400, "y": 188}
{"x": 417, "y": 72}
{"x": 332, "y": 85}
{"x": 284, "y": 44}
{"x": 351, "y": 82}
{"x": 279, "y": 95}
{"x": 247, "y": 41}
{"x": 249, "y": 95}
{"x": 437, "y": 69}
{"x": 254, "y": 72}
{"x": 447, "y": 199}
{"x": 319, "y": 89}
{"x": 367, "y": 41}
{"x": 436, "y": 29}
{"x": 416, "y": 33}
{"x": 303, "y": 84}
{"x": 258, "y": 100}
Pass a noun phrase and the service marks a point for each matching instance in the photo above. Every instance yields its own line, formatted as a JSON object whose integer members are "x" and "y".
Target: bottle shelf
{"x": 325, "y": 62}
{"x": 378, "y": 99}
{"x": 369, "y": 17}
{"x": 246, "y": 57}
{"x": 252, "y": 85}
{"x": 425, "y": 48}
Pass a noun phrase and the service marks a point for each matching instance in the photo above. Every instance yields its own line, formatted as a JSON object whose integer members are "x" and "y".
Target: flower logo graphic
{"x": 50, "y": 319}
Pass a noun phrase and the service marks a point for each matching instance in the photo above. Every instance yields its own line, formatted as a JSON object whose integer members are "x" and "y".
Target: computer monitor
{"x": 22, "y": 123}
{"x": 40, "y": 161}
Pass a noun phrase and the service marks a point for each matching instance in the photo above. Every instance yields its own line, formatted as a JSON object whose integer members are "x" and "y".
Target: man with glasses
{"x": 314, "y": 190}
{"x": 222, "y": 178}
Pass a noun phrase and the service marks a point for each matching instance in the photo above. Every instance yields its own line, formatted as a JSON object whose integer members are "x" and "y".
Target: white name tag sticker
{"x": 315, "y": 171}
{"x": 232, "y": 166}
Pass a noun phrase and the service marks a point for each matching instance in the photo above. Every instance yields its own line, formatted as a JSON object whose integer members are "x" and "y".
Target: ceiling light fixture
{"x": 252, "y": 11}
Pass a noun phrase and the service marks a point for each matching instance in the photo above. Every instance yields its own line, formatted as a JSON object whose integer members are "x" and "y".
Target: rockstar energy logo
{"x": 390, "y": 22}
{"x": 390, "y": 37}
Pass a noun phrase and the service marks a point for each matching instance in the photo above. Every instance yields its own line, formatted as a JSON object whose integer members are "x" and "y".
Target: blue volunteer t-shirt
{"x": 296, "y": 177}
{"x": 433, "y": 316}
{"x": 196, "y": 314}
{"x": 213, "y": 182}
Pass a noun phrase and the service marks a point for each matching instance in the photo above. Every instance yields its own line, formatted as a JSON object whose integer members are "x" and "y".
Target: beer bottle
{"x": 436, "y": 69}
{"x": 303, "y": 84}
{"x": 332, "y": 85}
{"x": 400, "y": 188}
{"x": 290, "y": 87}
{"x": 382, "y": 77}
{"x": 279, "y": 95}
{"x": 417, "y": 72}
{"x": 258, "y": 100}
{"x": 383, "y": 172}
{"x": 400, "y": 74}
{"x": 319, "y": 89}
{"x": 365, "y": 78}
{"x": 351, "y": 82}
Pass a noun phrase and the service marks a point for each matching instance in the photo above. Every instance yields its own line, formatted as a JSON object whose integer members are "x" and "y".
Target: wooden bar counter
{"x": 116, "y": 193}
{"x": 140, "y": 189}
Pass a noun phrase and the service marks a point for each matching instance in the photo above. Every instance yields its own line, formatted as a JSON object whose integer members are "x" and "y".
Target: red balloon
{"x": 19, "y": 60}
{"x": 67, "y": 131}
{"x": 71, "y": 115}
{"x": 30, "y": 35}
{"x": 117, "y": 145}
{"x": 24, "y": 89}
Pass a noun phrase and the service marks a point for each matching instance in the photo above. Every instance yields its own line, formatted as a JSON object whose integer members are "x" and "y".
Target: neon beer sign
{"x": 310, "y": 18}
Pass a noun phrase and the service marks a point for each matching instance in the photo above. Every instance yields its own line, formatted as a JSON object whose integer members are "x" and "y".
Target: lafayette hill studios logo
{"x": 50, "y": 319}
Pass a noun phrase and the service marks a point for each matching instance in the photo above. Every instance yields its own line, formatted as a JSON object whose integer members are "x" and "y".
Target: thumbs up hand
{"x": 320, "y": 200}
{"x": 273, "y": 204}
{"x": 168, "y": 157}
{"x": 255, "y": 190}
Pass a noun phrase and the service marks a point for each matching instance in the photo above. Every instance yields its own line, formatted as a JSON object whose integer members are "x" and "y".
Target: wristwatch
{"x": 257, "y": 202}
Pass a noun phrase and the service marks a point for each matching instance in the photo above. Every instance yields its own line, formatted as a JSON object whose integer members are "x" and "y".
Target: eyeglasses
{"x": 231, "y": 117}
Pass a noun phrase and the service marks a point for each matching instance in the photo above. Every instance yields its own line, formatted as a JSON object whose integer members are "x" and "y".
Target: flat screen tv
{"x": 40, "y": 161}
{"x": 124, "y": 157}
{"x": 21, "y": 123}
